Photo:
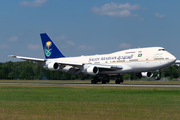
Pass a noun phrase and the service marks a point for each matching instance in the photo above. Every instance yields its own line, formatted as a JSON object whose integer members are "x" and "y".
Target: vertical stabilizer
{"x": 49, "y": 48}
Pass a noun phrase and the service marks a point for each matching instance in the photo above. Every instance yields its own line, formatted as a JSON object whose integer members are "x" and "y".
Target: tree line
{"x": 26, "y": 70}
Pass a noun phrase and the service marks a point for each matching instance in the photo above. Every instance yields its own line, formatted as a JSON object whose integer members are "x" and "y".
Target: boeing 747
{"x": 140, "y": 60}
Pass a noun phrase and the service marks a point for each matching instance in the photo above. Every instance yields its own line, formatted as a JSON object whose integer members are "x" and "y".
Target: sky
{"x": 87, "y": 27}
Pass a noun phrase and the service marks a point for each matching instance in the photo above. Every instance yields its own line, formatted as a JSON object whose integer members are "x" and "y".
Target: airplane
{"x": 101, "y": 67}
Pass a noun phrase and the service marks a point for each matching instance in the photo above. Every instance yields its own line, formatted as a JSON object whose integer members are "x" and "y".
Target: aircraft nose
{"x": 173, "y": 58}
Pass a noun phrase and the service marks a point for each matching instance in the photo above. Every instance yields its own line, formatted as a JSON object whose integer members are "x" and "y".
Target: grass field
{"x": 48, "y": 102}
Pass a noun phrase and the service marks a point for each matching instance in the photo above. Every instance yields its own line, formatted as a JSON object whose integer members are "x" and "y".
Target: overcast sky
{"x": 87, "y": 27}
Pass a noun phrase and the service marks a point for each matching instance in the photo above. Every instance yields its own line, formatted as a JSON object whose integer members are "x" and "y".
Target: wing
{"x": 37, "y": 60}
{"x": 66, "y": 66}
{"x": 108, "y": 67}
{"x": 79, "y": 68}
{"x": 100, "y": 66}
{"x": 28, "y": 58}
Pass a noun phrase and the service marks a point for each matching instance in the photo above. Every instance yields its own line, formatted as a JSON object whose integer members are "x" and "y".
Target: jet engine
{"x": 52, "y": 66}
{"x": 91, "y": 70}
{"x": 147, "y": 74}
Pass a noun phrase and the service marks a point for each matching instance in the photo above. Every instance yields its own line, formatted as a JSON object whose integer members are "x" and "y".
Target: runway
{"x": 88, "y": 84}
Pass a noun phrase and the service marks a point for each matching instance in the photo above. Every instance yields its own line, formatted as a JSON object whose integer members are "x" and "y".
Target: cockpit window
{"x": 161, "y": 50}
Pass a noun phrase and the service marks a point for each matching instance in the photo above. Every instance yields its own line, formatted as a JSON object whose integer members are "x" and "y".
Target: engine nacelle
{"x": 147, "y": 74}
{"x": 52, "y": 66}
{"x": 91, "y": 70}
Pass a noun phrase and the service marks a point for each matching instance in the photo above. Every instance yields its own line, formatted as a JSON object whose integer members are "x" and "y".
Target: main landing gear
{"x": 105, "y": 79}
{"x": 119, "y": 80}
{"x": 96, "y": 79}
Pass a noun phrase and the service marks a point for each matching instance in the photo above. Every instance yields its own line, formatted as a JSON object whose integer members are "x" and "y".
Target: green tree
{"x": 22, "y": 75}
{"x": 11, "y": 75}
{"x": 29, "y": 73}
{"x": 126, "y": 77}
{"x": 73, "y": 77}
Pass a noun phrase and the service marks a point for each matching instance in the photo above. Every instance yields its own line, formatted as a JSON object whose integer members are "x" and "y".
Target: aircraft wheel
{"x": 95, "y": 81}
{"x": 117, "y": 81}
{"x": 103, "y": 81}
{"x": 158, "y": 75}
{"x": 122, "y": 80}
{"x": 158, "y": 78}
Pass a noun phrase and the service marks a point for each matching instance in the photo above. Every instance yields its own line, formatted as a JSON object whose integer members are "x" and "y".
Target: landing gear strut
{"x": 119, "y": 80}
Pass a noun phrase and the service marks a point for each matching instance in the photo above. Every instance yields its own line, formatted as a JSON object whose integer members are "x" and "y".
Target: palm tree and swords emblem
{"x": 47, "y": 50}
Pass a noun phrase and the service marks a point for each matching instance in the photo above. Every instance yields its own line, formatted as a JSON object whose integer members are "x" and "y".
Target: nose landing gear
{"x": 158, "y": 75}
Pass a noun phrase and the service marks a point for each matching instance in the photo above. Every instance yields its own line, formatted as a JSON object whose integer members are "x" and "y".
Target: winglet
{"x": 12, "y": 56}
{"x": 49, "y": 48}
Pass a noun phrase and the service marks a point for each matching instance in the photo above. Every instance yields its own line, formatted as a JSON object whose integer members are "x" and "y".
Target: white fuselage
{"x": 132, "y": 60}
